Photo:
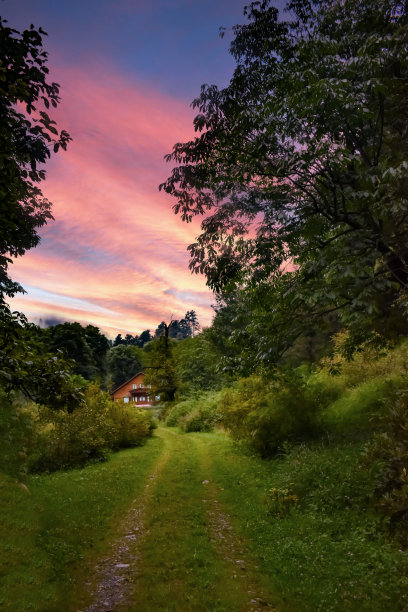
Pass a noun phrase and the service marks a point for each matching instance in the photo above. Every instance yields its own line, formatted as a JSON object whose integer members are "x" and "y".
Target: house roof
{"x": 126, "y": 382}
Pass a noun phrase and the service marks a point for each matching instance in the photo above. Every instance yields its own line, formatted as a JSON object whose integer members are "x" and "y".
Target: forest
{"x": 295, "y": 398}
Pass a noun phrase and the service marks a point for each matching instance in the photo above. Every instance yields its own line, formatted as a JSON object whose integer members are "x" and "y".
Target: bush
{"x": 200, "y": 413}
{"x": 179, "y": 410}
{"x": 266, "y": 414}
{"x": 130, "y": 426}
{"x": 361, "y": 406}
{"x": 279, "y": 502}
{"x": 88, "y": 433}
{"x": 390, "y": 450}
{"x": 17, "y": 434}
{"x": 368, "y": 363}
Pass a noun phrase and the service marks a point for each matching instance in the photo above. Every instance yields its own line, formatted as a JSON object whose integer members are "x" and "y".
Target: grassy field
{"x": 330, "y": 551}
{"x": 321, "y": 548}
{"x": 62, "y": 521}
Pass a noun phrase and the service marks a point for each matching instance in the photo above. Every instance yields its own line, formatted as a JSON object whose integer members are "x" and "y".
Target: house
{"x": 134, "y": 391}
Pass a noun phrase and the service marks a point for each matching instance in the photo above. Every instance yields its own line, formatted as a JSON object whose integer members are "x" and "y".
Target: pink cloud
{"x": 115, "y": 240}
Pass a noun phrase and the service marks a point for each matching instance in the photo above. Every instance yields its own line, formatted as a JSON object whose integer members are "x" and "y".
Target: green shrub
{"x": 390, "y": 450}
{"x": 266, "y": 414}
{"x": 358, "y": 406}
{"x": 71, "y": 439}
{"x": 199, "y": 413}
{"x": 179, "y": 410}
{"x": 88, "y": 433}
{"x": 368, "y": 363}
{"x": 279, "y": 502}
{"x": 17, "y": 434}
{"x": 130, "y": 426}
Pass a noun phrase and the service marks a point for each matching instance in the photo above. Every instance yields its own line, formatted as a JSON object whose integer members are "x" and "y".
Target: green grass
{"x": 181, "y": 569}
{"x": 61, "y": 523}
{"x": 331, "y": 551}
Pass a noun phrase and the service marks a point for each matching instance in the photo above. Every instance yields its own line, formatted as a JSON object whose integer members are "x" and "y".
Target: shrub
{"x": 130, "y": 426}
{"x": 179, "y": 410}
{"x": 266, "y": 414}
{"x": 88, "y": 433}
{"x": 199, "y": 413}
{"x": 205, "y": 416}
{"x": 71, "y": 439}
{"x": 279, "y": 502}
{"x": 358, "y": 406}
{"x": 17, "y": 434}
{"x": 390, "y": 450}
{"x": 368, "y": 363}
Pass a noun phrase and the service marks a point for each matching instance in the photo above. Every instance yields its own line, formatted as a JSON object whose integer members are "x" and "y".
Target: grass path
{"x": 175, "y": 549}
{"x": 183, "y": 524}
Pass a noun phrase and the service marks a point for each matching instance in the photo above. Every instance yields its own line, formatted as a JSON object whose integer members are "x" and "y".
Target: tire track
{"x": 114, "y": 575}
{"x": 233, "y": 549}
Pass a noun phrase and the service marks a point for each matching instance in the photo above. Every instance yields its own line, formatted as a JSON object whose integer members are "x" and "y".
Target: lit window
{"x": 126, "y": 400}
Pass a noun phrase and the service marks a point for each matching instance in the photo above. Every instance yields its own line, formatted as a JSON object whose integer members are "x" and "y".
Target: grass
{"x": 328, "y": 552}
{"x": 50, "y": 531}
{"x": 331, "y": 551}
{"x": 181, "y": 567}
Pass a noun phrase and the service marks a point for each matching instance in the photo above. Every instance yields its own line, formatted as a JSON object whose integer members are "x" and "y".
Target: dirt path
{"x": 176, "y": 549}
{"x": 113, "y": 577}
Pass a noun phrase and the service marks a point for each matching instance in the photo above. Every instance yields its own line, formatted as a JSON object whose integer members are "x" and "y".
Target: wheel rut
{"x": 241, "y": 568}
{"x": 176, "y": 549}
{"x": 114, "y": 575}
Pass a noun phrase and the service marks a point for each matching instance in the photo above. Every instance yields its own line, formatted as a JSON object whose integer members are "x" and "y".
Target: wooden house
{"x": 134, "y": 391}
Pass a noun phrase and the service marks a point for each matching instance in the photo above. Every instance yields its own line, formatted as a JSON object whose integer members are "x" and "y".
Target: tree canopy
{"x": 300, "y": 165}
{"x": 28, "y": 135}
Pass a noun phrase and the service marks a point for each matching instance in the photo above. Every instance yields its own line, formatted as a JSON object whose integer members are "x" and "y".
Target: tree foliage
{"x": 28, "y": 135}
{"x": 161, "y": 372}
{"x": 196, "y": 363}
{"x": 29, "y": 368}
{"x": 86, "y": 346}
{"x": 301, "y": 163}
{"x": 124, "y": 361}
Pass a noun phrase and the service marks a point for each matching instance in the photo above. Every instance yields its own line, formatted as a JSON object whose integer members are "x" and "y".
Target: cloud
{"x": 116, "y": 254}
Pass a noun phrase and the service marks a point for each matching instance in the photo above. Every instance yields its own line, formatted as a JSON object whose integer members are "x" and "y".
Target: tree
{"x": 85, "y": 346}
{"x": 144, "y": 337}
{"x": 27, "y": 367}
{"x": 99, "y": 345}
{"x": 123, "y": 362}
{"x": 161, "y": 329}
{"x": 192, "y": 321}
{"x": 301, "y": 164}
{"x": 196, "y": 365}
{"x": 27, "y": 136}
{"x": 161, "y": 371}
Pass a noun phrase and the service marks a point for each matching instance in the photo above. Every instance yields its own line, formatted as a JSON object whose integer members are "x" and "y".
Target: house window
{"x": 140, "y": 385}
{"x": 134, "y": 386}
{"x": 126, "y": 400}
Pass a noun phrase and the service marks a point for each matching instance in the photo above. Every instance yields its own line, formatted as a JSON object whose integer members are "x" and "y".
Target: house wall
{"x": 127, "y": 392}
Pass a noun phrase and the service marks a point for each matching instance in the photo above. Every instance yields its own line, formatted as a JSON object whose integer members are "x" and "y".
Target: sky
{"x": 116, "y": 256}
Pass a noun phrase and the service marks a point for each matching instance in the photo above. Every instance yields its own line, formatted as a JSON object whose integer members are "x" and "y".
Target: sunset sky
{"x": 115, "y": 256}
